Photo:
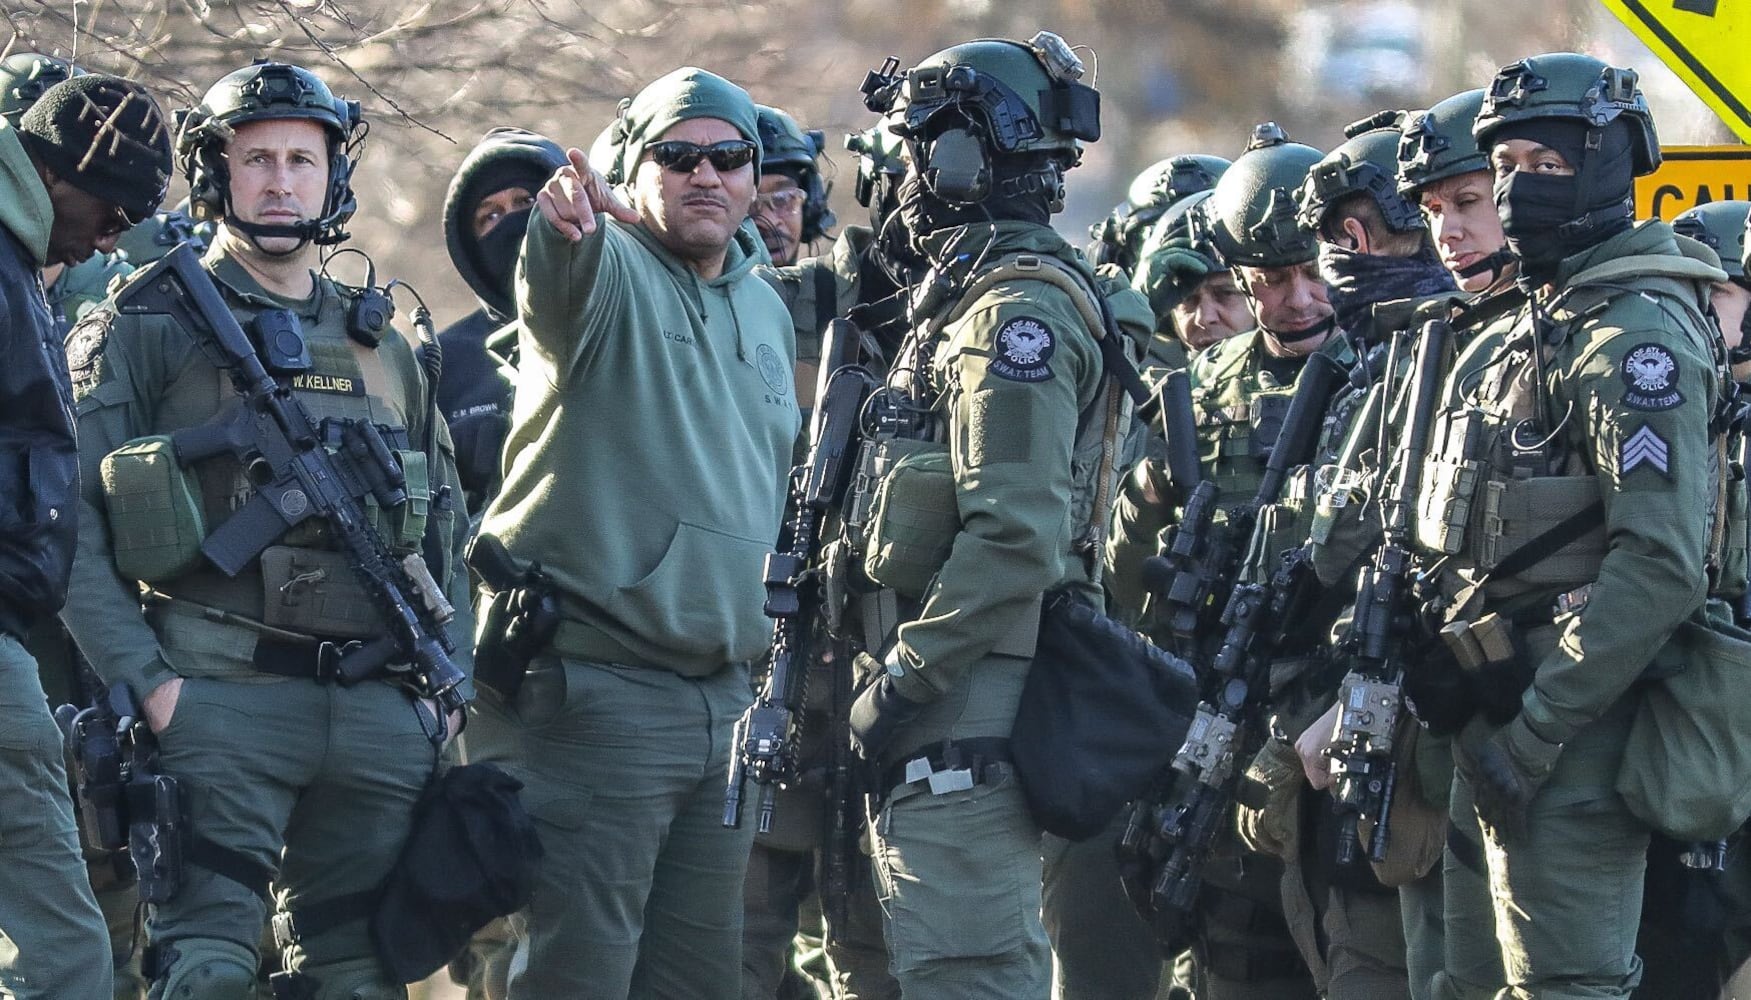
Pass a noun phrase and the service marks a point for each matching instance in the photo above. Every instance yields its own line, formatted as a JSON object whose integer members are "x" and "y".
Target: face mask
{"x": 1534, "y": 208}
{"x": 1357, "y": 281}
{"x": 496, "y": 252}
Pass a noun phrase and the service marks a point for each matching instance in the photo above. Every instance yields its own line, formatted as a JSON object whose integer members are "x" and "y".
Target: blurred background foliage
{"x": 1176, "y": 76}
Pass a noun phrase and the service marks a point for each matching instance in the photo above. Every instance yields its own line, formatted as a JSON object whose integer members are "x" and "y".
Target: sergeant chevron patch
{"x": 1644, "y": 447}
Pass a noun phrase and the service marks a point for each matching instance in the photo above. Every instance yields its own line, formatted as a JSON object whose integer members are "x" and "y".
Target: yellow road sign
{"x": 1693, "y": 175}
{"x": 1706, "y": 43}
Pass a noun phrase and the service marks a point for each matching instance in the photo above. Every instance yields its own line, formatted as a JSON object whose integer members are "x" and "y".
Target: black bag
{"x": 470, "y": 859}
{"x": 1103, "y": 711}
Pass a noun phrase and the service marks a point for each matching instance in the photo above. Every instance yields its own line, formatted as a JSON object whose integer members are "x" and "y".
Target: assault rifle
{"x": 299, "y": 478}
{"x": 1371, "y": 698}
{"x": 1202, "y": 555}
{"x": 765, "y": 739}
{"x": 1171, "y": 832}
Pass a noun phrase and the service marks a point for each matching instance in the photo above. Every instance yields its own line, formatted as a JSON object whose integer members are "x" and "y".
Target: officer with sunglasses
{"x": 645, "y": 471}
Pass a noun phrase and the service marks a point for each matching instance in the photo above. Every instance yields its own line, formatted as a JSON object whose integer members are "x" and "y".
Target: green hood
{"x": 25, "y": 210}
{"x": 1609, "y": 261}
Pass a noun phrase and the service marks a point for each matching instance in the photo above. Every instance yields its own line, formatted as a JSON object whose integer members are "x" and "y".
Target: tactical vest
{"x": 910, "y": 508}
{"x": 1502, "y": 477}
{"x": 301, "y": 583}
{"x": 1240, "y": 408}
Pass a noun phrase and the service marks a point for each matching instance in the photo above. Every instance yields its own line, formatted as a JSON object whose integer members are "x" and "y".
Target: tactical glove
{"x": 1506, "y": 767}
{"x": 1268, "y": 815}
{"x": 878, "y": 712}
{"x": 1168, "y": 274}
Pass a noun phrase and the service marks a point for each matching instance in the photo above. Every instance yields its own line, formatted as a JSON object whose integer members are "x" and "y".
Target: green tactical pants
{"x": 1241, "y": 946}
{"x": 1103, "y": 949}
{"x": 328, "y": 774}
{"x": 1567, "y": 898}
{"x": 640, "y": 890}
{"x": 781, "y": 896}
{"x": 959, "y": 873}
{"x": 53, "y": 942}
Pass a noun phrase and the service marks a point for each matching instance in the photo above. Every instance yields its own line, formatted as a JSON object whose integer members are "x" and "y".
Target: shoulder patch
{"x": 1644, "y": 447}
{"x": 1023, "y": 350}
{"x": 1650, "y": 378}
{"x": 85, "y": 344}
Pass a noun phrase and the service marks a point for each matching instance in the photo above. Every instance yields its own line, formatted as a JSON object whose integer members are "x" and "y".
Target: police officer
{"x": 1011, "y": 364}
{"x": 66, "y": 195}
{"x": 1240, "y": 939}
{"x": 1194, "y": 298}
{"x": 486, "y": 213}
{"x": 791, "y": 209}
{"x": 1599, "y": 417}
{"x": 654, "y": 425}
{"x": 787, "y": 869}
{"x": 288, "y": 779}
{"x": 1380, "y": 266}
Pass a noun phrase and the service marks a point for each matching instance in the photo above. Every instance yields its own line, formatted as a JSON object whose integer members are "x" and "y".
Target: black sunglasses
{"x": 684, "y": 157}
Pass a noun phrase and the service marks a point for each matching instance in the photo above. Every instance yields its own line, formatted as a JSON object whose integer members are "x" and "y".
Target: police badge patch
{"x": 84, "y": 345}
{"x": 772, "y": 369}
{"x": 1024, "y": 348}
{"x": 1650, "y": 378}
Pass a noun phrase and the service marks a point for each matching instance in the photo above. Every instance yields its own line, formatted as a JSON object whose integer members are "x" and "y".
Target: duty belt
{"x": 949, "y": 766}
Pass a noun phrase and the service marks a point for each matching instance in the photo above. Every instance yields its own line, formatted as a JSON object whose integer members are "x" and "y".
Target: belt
{"x": 316, "y": 659}
{"x": 949, "y": 766}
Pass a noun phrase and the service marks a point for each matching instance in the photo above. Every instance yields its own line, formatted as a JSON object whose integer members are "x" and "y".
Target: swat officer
{"x": 1194, "y": 298}
{"x": 990, "y": 127}
{"x": 788, "y": 869}
{"x": 791, "y": 209}
{"x": 1599, "y": 417}
{"x": 1240, "y": 941}
{"x": 486, "y": 213}
{"x": 644, "y": 335}
{"x": 288, "y": 779}
{"x": 66, "y": 195}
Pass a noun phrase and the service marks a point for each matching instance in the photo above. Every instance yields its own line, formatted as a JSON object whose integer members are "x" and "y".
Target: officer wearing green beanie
{"x": 68, "y": 186}
{"x": 644, "y": 470}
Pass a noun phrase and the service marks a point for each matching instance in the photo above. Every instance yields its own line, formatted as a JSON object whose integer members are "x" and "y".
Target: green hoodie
{"x": 650, "y": 441}
{"x": 25, "y": 210}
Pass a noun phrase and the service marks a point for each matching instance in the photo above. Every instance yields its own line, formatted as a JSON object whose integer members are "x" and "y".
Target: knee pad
{"x": 204, "y": 969}
{"x": 355, "y": 979}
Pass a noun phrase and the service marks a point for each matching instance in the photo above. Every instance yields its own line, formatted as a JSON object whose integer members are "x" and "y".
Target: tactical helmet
{"x": 1366, "y": 163}
{"x": 1118, "y": 239}
{"x": 787, "y": 149}
{"x": 260, "y": 92}
{"x": 1251, "y": 214}
{"x": 23, "y": 78}
{"x": 879, "y": 157}
{"x": 1571, "y": 87}
{"x": 971, "y": 103}
{"x": 1721, "y": 226}
{"x": 1437, "y": 144}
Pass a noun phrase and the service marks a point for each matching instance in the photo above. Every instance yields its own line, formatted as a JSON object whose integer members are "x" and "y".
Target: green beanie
{"x": 674, "y": 98}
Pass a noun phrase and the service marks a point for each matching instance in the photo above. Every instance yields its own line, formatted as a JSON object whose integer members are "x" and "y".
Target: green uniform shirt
{"x": 1016, "y": 371}
{"x": 650, "y": 441}
{"x": 1631, "y": 385}
{"x": 139, "y": 375}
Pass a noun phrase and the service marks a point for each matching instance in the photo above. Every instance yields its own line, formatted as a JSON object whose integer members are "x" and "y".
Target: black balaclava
{"x": 1548, "y": 218}
{"x": 1017, "y": 194}
{"x": 1358, "y": 281}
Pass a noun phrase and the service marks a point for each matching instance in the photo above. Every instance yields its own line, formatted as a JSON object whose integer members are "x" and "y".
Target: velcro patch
{"x": 1650, "y": 378}
{"x": 1024, "y": 347}
{"x": 1645, "y": 447}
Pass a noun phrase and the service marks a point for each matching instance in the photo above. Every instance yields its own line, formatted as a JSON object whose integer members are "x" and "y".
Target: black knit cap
{"x": 105, "y": 136}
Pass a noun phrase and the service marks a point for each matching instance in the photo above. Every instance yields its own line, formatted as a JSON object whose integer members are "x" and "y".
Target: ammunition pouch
{"x": 1450, "y": 482}
{"x": 404, "y": 525}
{"x": 315, "y": 592}
{"x": 914, "y": 519}
{"x": 1514, "y": 512}
{"x": 1735, "y": 565}
{"x": 154, "y": 510}
{"x": 1340, "y": 529}
{"x": 1687, "y": 762}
